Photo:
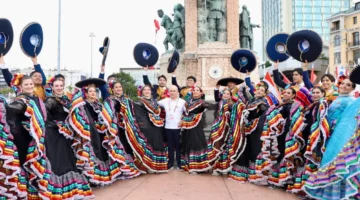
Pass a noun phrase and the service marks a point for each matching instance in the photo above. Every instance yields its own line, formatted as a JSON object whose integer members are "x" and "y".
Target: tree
{"x": 267, "y": 64}
{"x": 70, "y": 88}
{"x": 128, "y": 84}
{"x": 6, "y": 90}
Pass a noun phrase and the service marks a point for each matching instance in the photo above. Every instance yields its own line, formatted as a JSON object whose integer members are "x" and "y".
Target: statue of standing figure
{"x": 246, "y": 29}
{"x": 175, "y": 30}
{"x": 216, "y": 17}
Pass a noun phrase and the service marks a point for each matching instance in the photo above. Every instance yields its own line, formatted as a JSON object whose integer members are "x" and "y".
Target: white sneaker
{"x": 215, "y": 173}
{"x": 171, "y": 168}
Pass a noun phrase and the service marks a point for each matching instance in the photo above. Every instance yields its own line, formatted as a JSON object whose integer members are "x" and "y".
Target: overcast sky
{"x": 125, "y": 22}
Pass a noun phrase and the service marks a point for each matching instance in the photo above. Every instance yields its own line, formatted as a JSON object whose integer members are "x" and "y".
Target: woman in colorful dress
{"x": 338, "y": 105}
{"x": 99, "y": 156}
{"x": 282, "y": 141}
{"x": 194, "y": 157}
{"x": 243, "y": 169}
{"x": 315, "y": 134}
{"x": 26, "y": 117}
{"x": 339, "y": 174}
{"x": 147, "y": 113}
{"x": 328, "y": 83}
{"x": 12, "y": 181}
{"x": 118, "y": 114}
{"x": 67, "y": 180}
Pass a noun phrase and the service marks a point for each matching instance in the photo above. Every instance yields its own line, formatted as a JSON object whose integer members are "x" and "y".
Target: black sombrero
{"x": 6, "y": 36}
{"x": 355, "y": 75}
{"x": 96, "y": 81}
{"x": 243, "y": 60}
{"x": 276, "y": 47}
{"x": 31, "y": 39}
{"x": 173, "y": 62}
{"x": 225, "y": 81}
{"x": 146, "y": 54}
{"x": 104, "y": 49}
{"x": 304, "y": 45}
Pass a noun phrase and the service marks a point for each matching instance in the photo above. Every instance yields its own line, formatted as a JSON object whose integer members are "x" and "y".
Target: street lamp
{"x": 59, "y": 37}
{"x": 91, "y": 36}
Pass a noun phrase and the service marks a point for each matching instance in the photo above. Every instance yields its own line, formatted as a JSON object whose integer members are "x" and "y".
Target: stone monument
{"x": 211, "y": 36}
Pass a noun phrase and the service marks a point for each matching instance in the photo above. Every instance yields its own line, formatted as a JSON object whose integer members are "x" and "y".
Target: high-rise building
{"x": 292, "y": 15}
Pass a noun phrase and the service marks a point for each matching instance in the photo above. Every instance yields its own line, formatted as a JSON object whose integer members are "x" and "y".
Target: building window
{"x": 356, "y": 38}
{"x": 337, "y": 40}
{"x": 356, "y": 55}
{"x": 357, "y": 6}
{"x": 355, "y": 20}
{"x": 337, "y": 58}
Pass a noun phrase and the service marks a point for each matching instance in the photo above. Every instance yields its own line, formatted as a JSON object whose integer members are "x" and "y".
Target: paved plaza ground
{"x": 179, "y": 185}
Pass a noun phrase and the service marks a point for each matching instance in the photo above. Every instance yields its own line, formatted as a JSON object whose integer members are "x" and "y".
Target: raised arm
{"x": 173, "y": 81}
{"x": 102, "y": 72}
{"x": 104, "y": 93}
{"x": 145, "y": 77}
{"x": 277, "y": 79}
{"x": 37, "y": 68}
{"x": 248, "y": 83}
{"x": 306, "y": 78}
{"x": 5, "y": 71}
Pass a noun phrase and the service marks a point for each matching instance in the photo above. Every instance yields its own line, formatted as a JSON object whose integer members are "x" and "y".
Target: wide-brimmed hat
{"x": 304, "y": 45}
{"x": 31, "y": 39}
{"x": 104, "y": 49}
{"x": 225, "y": 81}
{"x": 276, "y": 47}
{"x": 96, "y": 81}
{"x": 6, "y": 36}
{"x": 243, "y": 60}
{"x": 355, "y": 75}
{"x": 146, "y": 54}
{"x": 173, "y": 62}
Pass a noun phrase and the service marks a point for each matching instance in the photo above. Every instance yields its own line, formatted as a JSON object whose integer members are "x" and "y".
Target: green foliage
{"x": 128, "y": 84}
{"x": 323, "y": 57}
{"x": 267, "y": 64}
{"x": 70, "y": 88}
{"x": 6, "y": 90}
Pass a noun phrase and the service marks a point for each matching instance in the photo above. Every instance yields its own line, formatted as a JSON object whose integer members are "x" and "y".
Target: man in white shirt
{"x": 174, "y": 108}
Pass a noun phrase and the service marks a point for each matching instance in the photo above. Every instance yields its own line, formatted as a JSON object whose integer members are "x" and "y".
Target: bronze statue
{"x": 178, "y": 36}
{"x": 167, "y": 23}
{"x": 216, "y": 16}
{"x": 246, "y": 32}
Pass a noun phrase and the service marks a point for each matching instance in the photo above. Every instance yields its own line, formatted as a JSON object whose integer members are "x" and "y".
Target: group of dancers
{"x": 55, "y": 145}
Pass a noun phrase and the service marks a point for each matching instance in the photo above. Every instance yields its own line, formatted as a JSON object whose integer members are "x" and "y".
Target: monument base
{"x": 209, "y": 56}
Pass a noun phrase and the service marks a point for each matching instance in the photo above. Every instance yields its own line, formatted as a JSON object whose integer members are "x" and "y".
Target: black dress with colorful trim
{"x": 315, "y": 134}
{"x": 194, "y": 147}
{"x": 12, "y": 180}
{"x": 119, "y": 113}
{"x": 253, "y": 120}
{"x": 26, "y": 117}
{"x": 147, "y": 114}
{"x": 231, "y": 142}
{"x": 98, "y": 155}
{"x": 66, "y": 179}
{"x": 282, "y": 141}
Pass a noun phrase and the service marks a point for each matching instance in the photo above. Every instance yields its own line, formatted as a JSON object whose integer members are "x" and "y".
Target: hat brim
{"x": 6, "y": 30}
{"x": 225, "y": 81}
{"x": 173, "y": 62}
{"x": 105, "y": 49}
{"x": 314, "y": 49}
{"x": 96, "y": 81}
{"x": 31, "y": 31}
{"x": 238, "y": 55}
{"x": 355, "y": 75}
{"x": 152, "y": 58}
{"x": 272, "y": 52}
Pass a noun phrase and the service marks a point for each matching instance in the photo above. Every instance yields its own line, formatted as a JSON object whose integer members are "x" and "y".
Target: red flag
{"x": 157, "y": 25}
{"x": 357, "y": 94}
{"x": 151, "y": 67}
{"x": 285, "y": 79}
{"x": 313, "y": 75}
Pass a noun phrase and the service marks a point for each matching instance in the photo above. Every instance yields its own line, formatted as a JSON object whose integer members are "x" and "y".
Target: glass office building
{"x": 292, "y": 15}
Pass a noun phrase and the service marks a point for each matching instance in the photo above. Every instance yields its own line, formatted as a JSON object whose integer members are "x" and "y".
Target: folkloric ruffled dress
{"x": 99, "y": 156}
{"x": 67, "y": 181}
{"x": 253, "y": 120}
{"x": 315, "y": 134}
{"x": 26, "y": 116}
{"x": 337, "y": 107}
{"x": 282, "y": 142}
{"x": 339, "y": 174}
{"x": 12, "y": 180}
{"x": 226, "y": 139}
{"x": 194, "y": 147}
{"x": 118, "y": 112}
